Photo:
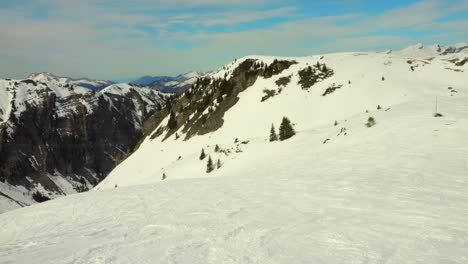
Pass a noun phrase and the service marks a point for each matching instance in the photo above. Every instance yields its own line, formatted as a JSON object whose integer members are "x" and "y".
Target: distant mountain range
{"x": 168, "y": 84}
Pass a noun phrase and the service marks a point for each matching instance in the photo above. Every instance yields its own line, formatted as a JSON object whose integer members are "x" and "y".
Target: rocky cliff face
{"x": 56, "y": 140}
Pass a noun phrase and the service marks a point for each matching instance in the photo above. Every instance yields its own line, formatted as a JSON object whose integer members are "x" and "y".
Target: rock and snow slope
{"x": 391, "y": 193}
{"x": 58, "y": 139}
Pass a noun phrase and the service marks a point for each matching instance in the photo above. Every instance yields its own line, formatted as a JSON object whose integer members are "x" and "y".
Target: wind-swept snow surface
{"x": 392, "y": 193}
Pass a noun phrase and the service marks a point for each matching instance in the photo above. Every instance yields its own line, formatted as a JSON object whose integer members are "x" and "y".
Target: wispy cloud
{"x": 231, "y": 18}
{"x": 115, "y": 39}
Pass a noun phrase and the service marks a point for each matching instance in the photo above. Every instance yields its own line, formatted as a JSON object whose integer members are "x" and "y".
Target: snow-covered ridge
{"x": 61, "y": 81}
{"x": 364, "y": 81}
{"x": 153, "y": 98}
{"x": 16, "y": 95}
{"x": 191, "y": 74}
{"x": 421, "y": 51}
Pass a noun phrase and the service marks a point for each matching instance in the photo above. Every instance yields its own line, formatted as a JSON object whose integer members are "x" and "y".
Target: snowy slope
{"x": 250, "y": 118}
{"x": 392, "y": 193}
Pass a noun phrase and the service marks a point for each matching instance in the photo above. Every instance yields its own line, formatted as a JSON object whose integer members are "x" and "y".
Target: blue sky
{"x": 123, "y": 39}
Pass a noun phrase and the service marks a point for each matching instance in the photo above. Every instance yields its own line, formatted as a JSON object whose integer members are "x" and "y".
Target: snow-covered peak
{"x": 421, "y": 51}
{"x": 192, "y": 74}
{"x": 61, "y": 81}
{"x": 118, "y": 88}
{"x": 43, "y": 77}
{"x": 125, "y": 88}
{"x": 153, "y": 98}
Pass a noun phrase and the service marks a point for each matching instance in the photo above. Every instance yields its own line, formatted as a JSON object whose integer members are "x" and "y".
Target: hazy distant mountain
{"x": 177, "y": 84}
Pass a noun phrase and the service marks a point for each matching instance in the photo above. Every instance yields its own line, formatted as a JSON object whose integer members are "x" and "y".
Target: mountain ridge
{"x": 82, "y": 82}
{"x": 343, "y": 189}
{"x": 58, "y": 138}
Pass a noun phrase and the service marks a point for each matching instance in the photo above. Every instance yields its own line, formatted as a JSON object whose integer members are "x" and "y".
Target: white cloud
{"x": 102, "y": 39}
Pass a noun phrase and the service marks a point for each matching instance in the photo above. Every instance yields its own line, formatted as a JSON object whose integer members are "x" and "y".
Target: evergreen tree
{"x": 217, "y": 148}
{"x": 286, "y": 130}
{"x": 324, "y": 68}
{"x": 370, "y": 122}
{"x": 209, "y": 165}
{"x": 202, "y": 155}
{"x": 218, "y": 164}
{"x": 164, "y": 176}
{"x": 172, "y": 123}
{"x": 273, "y": 136}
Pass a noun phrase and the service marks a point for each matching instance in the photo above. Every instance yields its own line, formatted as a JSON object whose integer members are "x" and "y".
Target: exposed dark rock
{"x": 313, "y": 74}
{"x": 462, "y": 62}
{"x": 331, "y": 89}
